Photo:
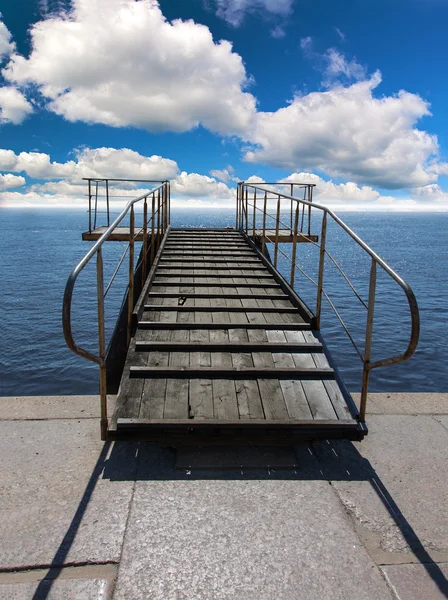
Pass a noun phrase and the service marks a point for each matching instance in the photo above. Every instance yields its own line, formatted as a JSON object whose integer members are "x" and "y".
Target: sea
{"x": 40, "y": 247}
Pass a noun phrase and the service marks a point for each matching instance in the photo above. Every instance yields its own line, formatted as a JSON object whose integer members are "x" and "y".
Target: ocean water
{"x": 38, "y": 249}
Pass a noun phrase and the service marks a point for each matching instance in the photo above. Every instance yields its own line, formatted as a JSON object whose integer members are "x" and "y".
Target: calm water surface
{"x": 38, "y": 249}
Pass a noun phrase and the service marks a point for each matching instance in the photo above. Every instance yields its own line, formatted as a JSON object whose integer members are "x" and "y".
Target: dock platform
{"x": 223, "y": 349}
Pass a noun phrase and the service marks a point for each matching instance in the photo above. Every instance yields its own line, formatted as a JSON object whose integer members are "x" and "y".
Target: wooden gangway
{"x": 213, "y": 345}
{"x": 222, "y": 346}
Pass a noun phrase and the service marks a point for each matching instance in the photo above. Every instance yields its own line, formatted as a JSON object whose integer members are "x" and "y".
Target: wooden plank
{"x": 209, "y": 295}
{"x": 266, "y": 286}
{"x": 130, "y": 391}
{"x": 153, "y": 397}
{"x": 238, "y": 423}
{"x": 230, "y": 346}
{"x": 220, "y": 325}
{"x": 225, "y": 404}
{"x": 214, "y": 308}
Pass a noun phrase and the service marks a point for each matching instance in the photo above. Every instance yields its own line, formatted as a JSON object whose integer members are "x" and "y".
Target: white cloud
{"x": 97, "y": 162}
{"x": 131, "y": 67}
{"x": 430, "y": 194}
{"x": 9, "y": 181}
{"x": 340, "y": 33}
{"x": 224, "y": 174}
{"x": 348, "y": 132}
{"x": 200, "y": 186}
{"x": 6, "y": 45}
{"x": 278, "y": 32}
{"x": 234, "y": 11}
{"x": 337, "y": 65}
{"x": 14, "y": 107}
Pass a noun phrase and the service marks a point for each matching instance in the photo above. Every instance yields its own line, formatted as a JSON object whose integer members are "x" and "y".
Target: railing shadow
{"x": 322, "y": 461}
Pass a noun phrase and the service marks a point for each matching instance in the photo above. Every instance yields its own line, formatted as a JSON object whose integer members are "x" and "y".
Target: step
{"x": 223, "y": 373}
{"x": 212, "y": 275}
{"x": 301, "y": 348}
{"x": 204, "y": 268}
{"x": 228, "y": 309}
{"x": 224, "y": 296}
{"x": 160, "y": 325}
{"x": 263, "y": 286}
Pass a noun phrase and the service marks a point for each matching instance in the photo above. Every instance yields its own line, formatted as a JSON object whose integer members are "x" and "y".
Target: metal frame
{"x": 159, "y": 219}
{"x": 297, "y": 232}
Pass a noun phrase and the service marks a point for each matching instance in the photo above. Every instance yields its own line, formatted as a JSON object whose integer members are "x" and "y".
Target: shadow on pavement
{"x": 327, "y": 461}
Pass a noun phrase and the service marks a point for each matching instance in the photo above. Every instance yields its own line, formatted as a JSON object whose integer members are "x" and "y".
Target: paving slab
{"x": 405, "y": 403}
{"x": 395, "y": 486}
{"x": 418, "y": 582}
{"x": 68, "y": 589}
{"x": 54, "y": 503}
{"x": 245, "y": 537}
{"x": 52, "y": 407}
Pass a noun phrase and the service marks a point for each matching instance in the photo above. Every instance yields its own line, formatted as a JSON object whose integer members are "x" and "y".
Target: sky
{"x": 349, "y": 95}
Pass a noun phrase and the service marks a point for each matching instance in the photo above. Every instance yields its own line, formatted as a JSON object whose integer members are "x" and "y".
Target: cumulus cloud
{"x": 97, "y": 162}
{"x": 430, "y": 194}
{"x": 234, "y": 11}
{"x": 348, "y": 132}
{"x": 200, "y": 186}
{"x": 224, "y": 174}
{"x": 7, "y": 46}
{"x": 9, "y": 181}
{"x": 14, "y": 107}
{"x": 337, "y": 66}
{"x": 131, "y": 67}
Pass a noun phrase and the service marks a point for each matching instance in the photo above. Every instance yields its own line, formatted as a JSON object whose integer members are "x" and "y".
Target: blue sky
{"x": 349, "y": 95}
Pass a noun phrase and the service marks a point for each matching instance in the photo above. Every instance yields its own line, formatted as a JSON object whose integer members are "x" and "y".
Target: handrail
{"x": 159, "y": 194}
{"x": 242, "y": 212}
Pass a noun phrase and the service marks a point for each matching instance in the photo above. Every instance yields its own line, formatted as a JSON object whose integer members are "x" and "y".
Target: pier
{"x": 214, "y": 346}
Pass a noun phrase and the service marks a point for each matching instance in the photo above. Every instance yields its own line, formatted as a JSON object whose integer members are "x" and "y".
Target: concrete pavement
{"x": 80, "y": 519}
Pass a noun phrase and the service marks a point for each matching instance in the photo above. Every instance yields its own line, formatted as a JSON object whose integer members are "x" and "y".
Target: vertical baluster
{"x": 158, "y": 219}
{"x": 323, "y": 236}
{"x": 237, "y": 205}
{"x": 153, "y": 208}
{"x": 247, "y": 207}
{"x": 255, "y": 215}
{"x": 90, "y": 206}
{"x": 294, "y": 245}
{"x": 107, "y": 202}
{"x": 131, "y": 274}
{"x": 265, "y": 208}
{"x": 277, "y": 223}
{"x": 290, "y": 217}
{"x": 310, "y": 199}
{"x": 145, "y": 239}
{"x": 101, "y": 344}
{"x": 368, "y": 342}
{"x": 96, "y": 204}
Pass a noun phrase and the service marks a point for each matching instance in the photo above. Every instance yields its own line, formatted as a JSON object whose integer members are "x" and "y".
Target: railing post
{"x": 107, "y": 202}
{"x": 158, "y": 218}
{"x": 276, "y": 231}
{"x": 255, "y": 215}
{"x": 320, "y": 280}
{"x": 292, "y": 194}
{"x": 310, "y": 199}
{"x": 294, "y": 246}
{"x": 96, "y": 204}
{"x": 101, "y": 344}
{"x": 131, "y": 273}
{"x": 145, "y": 239}
{"x": 237, "y": 211}
{"x": 368, "y": 342}
{"x": 153, "y": 209}
{"x": 265, "y": 208}
{"x": 90, "y": 206}
{"x": 247, "y": 208}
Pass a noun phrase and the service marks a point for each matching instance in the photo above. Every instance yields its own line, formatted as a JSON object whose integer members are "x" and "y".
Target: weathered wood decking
{"x": 223, "y": 350}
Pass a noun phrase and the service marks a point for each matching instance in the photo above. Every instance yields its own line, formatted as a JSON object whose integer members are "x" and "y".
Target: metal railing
{"x": 247, "y": 196}
{"x": 152, "y": 230}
